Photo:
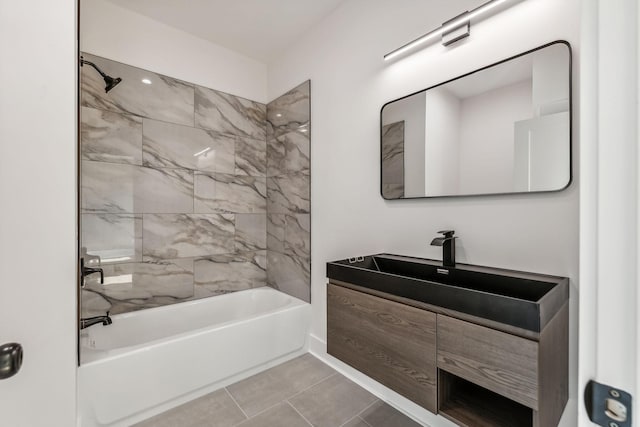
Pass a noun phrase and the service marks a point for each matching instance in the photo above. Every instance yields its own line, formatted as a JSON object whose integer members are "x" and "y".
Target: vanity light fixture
{"x": 450, "y": 31}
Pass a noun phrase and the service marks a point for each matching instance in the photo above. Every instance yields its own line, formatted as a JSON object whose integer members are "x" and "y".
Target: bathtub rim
{"x": 103, "y": 356}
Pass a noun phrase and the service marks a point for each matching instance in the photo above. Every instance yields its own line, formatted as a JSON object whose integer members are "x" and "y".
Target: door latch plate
{"x": 607, "y": 406}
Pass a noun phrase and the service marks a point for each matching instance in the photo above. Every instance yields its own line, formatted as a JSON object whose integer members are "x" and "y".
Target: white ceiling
{"x": 259, "y": 29}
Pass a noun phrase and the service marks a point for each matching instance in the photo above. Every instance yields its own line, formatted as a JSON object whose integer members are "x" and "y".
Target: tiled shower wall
{"x": 173, "y": 190}
{"x": 288, "y": 192}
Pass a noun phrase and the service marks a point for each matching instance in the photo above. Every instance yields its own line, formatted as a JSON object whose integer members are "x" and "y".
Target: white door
{"x": 38, "y": 209}
{"x": 609, "y": 228}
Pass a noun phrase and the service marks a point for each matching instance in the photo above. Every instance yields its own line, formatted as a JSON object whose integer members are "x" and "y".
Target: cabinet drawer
{"x": 503, "y": 363}
{"x": 390, "y": 342}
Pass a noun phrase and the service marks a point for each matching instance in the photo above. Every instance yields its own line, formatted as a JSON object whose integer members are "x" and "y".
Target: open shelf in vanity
{"x": 468, "y": 404}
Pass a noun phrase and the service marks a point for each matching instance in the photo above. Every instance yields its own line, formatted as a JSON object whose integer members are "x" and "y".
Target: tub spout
{"x": 90, "y": 321}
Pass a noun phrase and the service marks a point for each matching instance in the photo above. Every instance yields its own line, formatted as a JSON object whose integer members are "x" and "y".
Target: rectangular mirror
{"x": 505, "y": 128}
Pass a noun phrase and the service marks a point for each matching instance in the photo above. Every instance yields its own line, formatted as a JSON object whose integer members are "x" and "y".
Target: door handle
{"x": 10, "y": 359}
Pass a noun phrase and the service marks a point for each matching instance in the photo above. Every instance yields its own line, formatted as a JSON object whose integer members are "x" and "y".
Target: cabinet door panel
{"x": 503, "y": 363}
{"x": 392, "y": 343}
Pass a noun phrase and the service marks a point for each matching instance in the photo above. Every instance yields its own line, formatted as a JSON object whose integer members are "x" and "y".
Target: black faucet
{"x": 85, "y": 271}
{"x": 448, "y": 243}
{"x": 90, "y": 321}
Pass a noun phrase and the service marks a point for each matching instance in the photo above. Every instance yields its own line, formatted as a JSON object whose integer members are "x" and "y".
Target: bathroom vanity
{"x": 480, "y": 346}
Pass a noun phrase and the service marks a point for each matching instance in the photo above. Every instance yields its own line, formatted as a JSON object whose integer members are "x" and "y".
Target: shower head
{"x": 110, "y": 82}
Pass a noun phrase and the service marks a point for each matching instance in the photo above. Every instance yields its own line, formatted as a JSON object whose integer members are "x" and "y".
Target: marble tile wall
{"x": 174, "y": 190}
{"x": 288, "y": 192}
{"x": 393, "y": 160}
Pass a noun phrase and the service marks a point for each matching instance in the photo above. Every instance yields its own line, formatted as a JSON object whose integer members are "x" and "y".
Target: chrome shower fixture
{"x": 110, "y": 82}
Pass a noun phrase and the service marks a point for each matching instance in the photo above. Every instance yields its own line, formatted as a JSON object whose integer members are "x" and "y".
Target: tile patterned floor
{"x": 300, "y": 393}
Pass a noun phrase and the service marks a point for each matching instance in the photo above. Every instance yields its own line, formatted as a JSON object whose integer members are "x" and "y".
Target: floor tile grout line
{"x": 348, "y": 421}
{"x": 364, "y": 421}
{"x": 358, "y": 415}
{"x": 298, "y": 412}
{"x": 237, "y": 404}
{"x": 286, "y": 399}
{"x": 312, "y": 385}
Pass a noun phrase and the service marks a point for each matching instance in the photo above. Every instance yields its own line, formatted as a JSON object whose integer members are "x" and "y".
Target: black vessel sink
{"x": 523, "y": 300}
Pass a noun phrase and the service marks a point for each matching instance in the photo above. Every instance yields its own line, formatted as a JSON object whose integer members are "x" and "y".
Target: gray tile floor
{"x": 300, "y": 393}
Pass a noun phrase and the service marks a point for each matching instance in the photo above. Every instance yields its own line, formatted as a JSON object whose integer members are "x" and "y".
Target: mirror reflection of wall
{"x": 503, "y": 129}
{"x": 393, "y": 160}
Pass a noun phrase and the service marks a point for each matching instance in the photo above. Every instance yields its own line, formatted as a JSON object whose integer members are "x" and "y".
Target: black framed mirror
{"x": 502, "y": 129}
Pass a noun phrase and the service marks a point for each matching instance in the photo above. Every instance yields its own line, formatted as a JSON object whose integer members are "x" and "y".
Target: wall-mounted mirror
{"x": 505, "y": 128}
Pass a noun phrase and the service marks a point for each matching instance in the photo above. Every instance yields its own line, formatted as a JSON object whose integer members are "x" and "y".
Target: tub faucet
{"x": 85, "y": 271}
{"x": 448, "y": 244}
{"x": 90, "y": 321}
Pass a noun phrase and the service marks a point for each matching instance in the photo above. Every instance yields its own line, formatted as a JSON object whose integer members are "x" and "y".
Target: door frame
{"x": 609, "y": 202}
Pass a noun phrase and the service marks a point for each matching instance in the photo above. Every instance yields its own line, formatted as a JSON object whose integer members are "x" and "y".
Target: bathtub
{"x": 151, "y": 360}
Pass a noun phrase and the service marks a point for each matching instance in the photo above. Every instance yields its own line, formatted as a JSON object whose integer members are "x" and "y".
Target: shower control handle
{"x": 10, "y": 359}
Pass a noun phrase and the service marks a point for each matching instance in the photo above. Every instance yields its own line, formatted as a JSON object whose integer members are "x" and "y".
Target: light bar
{"x": 449, "y": 26}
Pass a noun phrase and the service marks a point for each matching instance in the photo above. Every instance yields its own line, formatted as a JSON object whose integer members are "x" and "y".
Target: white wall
{"x": 442, "y": 151}
{"x": 117, "y": 33}
{"x": 38, "y": 214}
{"x": 343, "y": 58}
{"x": 411, "y": 110}
{"x": 487, "y": 135}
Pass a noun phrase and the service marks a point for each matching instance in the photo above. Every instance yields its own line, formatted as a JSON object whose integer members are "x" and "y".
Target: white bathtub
{"x": 151, "y": 360}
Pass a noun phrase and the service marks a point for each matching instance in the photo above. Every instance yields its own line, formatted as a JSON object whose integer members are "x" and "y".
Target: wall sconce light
{"x": 450, "y": 31}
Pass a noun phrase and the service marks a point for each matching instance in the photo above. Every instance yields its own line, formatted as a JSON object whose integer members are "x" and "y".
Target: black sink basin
{"x": 522, "y": 300}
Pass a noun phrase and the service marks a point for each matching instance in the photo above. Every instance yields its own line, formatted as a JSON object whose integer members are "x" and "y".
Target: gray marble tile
{"x": 381, "y": 414}
{"x": 166, "y": 99}
{"x": 332, "y": 402}
{"x": 288, "y": 194}
{"x": 164, "y": 190}
{"x": 270, "y": 387}
{"x": 288, "y": 153}
{"x": 112, "y": 237}
{"x": 251, "y": 157}
{"x": 229, "y": 193}
{"x": 107, "y": 187}
{"x": 110, "y": 137}
{"x": 134, "y": 286}
{"x": 393, "y": 160}
{"x": 221, "y": 274}
{"x": 392, "y": 191}
{"x": 167, "y": 145}
{"x": 297, "y": 237}
{"x": 111, "y": 187}
{"x": 251, "y": 232}
{"x": 93, "y": 304}
{"x": 290, "y": 112}
{"x": 216, "y": 409}
{"x": 276, "y": 224}
{"x": 289, "y": 274}
{"x": 229, "y": 114}
{"x": 281, "y": 415}
{"x": 168, "y": 236}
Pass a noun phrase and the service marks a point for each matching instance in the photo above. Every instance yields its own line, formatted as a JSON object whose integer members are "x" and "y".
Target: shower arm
{"x": 84, "y": 61}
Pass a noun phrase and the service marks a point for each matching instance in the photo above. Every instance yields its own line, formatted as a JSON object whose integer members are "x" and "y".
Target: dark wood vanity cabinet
{"x": 473, "y": 374}
{"x": 393, "y": 343}
{"x": 526, "y": 378}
